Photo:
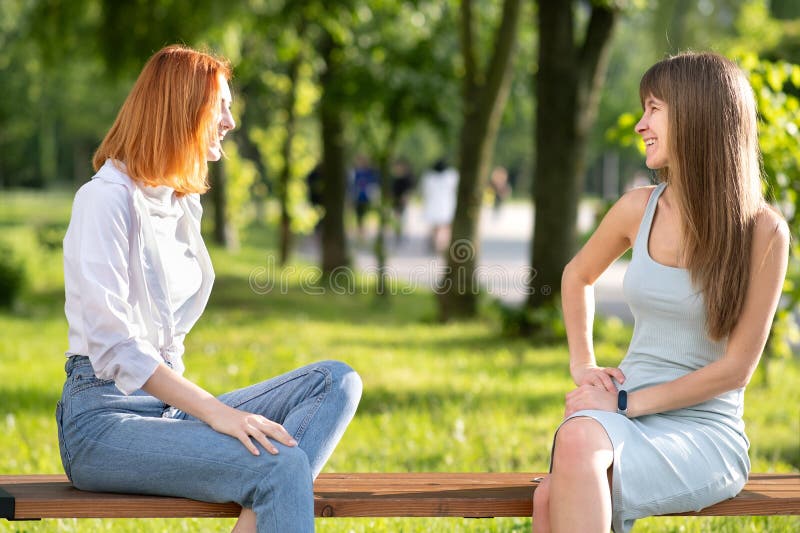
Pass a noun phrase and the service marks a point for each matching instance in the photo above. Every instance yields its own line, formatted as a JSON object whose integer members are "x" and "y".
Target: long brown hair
{"x": 715, "y": 173}
{"x": 164, "y": 128}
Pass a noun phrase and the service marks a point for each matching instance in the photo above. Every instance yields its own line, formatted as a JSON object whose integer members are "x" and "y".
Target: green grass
{"x": 455, "y": 397}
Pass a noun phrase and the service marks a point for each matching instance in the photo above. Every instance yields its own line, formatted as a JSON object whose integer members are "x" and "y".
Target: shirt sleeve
{"x": 97, "y": 252}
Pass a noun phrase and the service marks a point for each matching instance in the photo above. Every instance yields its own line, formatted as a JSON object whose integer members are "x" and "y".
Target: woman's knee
{"x": 344, "y": 381}
{"x": 580, "y": 439}
{"x": 291, "y": 466}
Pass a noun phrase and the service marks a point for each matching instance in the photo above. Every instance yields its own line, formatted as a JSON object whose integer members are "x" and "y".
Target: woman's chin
{"x": 655, "y": 165}
{"x": 213, "y": 154}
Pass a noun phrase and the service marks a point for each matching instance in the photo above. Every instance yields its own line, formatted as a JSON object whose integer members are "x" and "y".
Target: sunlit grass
{"x": 454, "y": 397}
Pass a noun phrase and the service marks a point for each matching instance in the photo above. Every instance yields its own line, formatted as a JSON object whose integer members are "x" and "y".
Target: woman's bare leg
{"x": 580, "y": 498}
{"x": 246, "y": 522}
{"x": 541, "y": 507}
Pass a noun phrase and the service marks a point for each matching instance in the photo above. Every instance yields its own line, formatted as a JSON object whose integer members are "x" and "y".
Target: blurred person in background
{"x": 402, "y": 187}
{"x": 439, "y": 193}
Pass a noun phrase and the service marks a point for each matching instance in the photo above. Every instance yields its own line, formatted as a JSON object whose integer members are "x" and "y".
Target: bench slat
{"x": 475, "y": 495}
{"x": 364, "y": 495}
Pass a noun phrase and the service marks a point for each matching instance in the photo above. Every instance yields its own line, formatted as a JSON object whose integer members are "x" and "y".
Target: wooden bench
{"x": 480, "y": 495}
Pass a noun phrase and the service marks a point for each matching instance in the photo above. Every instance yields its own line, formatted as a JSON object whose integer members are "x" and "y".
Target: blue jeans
{"x": 110, "y": 442}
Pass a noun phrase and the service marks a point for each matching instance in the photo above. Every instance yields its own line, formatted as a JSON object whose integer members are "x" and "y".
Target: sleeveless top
{"x": 669, "y": 337}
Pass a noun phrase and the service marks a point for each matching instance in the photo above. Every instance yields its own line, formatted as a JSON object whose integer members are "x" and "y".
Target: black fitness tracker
{"x": 622, "y": 403}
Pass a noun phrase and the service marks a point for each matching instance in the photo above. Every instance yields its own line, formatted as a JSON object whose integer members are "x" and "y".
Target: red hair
{"x": 164, "y": 128}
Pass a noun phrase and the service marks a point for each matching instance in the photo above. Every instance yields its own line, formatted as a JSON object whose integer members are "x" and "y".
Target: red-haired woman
{"x": 663, "y": 433}
{"x": 137, "y": 278}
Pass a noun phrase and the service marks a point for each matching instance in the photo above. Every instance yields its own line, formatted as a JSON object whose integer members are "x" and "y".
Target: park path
{"x": 503, "y": 263}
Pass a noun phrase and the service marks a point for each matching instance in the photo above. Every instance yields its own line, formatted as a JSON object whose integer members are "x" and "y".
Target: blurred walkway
{"x": 503, "y": 258}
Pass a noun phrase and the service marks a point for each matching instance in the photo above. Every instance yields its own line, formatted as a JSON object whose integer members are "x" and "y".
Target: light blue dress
{"x": 681, "y": 460}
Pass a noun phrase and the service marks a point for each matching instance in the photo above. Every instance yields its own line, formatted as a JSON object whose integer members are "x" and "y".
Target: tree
{"x": 567, "y": 85}
{"x": 335, "y": 254}
{"x": 285, "y": 232}
{"x": 484, "y": 93}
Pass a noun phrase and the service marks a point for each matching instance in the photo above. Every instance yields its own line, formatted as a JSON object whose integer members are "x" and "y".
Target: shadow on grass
{"x": 446, "y": 342}
{"x": 29, "y": 401}
{"x": 382, "y": 400}
{"x": 361, "y": 306}
{"x": 43, "y": 303}
{"x": 787, "y": 452}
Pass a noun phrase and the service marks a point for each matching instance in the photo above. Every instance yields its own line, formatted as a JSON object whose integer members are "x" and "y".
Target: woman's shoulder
{"x": 770, "y": 229}
{"x": 104, "y": 196}
{"x": 631, "y": 206}
{"x": 638, "y": 197}
{"x": 109, "y": 180}
{"x": 99, "y": 192}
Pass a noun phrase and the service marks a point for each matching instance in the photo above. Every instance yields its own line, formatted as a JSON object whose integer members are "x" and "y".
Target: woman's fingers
{"x": 277, "y": 432}
{"x": 244, "y": 438}
{"x": 262, "y": 430}
{"x": 601, "y": 377}
{"x": 251, "y": 429}
{"x": 605, "y": 381}
{"x": 256, "y": 431}
{"x": 617, "y": 374}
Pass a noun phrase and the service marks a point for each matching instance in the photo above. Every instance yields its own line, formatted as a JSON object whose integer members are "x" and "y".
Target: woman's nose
{"x": 227, "y": 121}
{"x": 640, "y": 126}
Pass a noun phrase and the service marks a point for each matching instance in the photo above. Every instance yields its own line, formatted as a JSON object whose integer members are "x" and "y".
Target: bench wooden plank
{"x": 472, "y": 495}
{"x": 476, "y": 495}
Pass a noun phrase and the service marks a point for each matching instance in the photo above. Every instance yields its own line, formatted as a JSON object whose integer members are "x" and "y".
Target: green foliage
{"x": 240, "y": 176}
{"x": 51, "y": 235}
{"x": 402, "y": 64}
{"x": 543, "y": 324}
{"x": 623, "y": 132}
{"x": 756, "y": 29}
{"x": 270, "y": 136}
{"x": 776, "y": 85}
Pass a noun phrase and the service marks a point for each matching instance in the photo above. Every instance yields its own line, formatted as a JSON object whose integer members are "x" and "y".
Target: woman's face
{"x": 653, "y": 127}
{"x": 224, "y": 121}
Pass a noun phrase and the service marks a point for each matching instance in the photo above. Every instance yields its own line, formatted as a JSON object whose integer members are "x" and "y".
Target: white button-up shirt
{"x": 120, "y": 288}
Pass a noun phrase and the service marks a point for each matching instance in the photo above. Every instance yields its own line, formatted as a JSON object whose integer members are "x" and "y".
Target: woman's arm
{"x": 613, "y": 237}
{"x": 769, "y": 258}
{"x": 177, "y": 391}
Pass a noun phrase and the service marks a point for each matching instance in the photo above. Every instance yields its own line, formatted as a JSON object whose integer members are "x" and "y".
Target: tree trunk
{"x": 484, "y": 95}
{"x": 567, "y": 87}
{"x": 224, "y": 232}
{"x": 334, "y": 172}
{"x": 384, "y": 207}
{"x": 285, "y": 236}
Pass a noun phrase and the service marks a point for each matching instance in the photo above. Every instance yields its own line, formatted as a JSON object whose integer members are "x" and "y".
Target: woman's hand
{"x": 248, "y": 427}
{"x": 590, "y": 397}
{"x": 177, "y": 391}
{"x": 598, "y": 376}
